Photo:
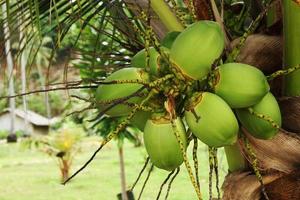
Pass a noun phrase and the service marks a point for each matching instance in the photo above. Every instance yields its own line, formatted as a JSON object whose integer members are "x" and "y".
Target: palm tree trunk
{"x": 122, "y": 174}
{"x": 291, "y": 46}
{"x": 43, "y": 83}
{"x": 23, "y": 63}
{"x": 10, "y": 66}
{"x": 167, "y": 17}
{"x": 65, "y": 169}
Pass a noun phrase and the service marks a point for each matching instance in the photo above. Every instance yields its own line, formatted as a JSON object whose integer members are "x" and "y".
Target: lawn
{"x": 31, "y": 175}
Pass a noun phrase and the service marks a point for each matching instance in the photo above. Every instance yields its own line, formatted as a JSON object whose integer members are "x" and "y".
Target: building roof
{"x": 32, "y": 117}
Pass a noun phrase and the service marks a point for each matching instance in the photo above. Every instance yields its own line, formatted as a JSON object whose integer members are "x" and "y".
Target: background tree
{"x": 10, "y": 73}
{"x": 123, "y": 28}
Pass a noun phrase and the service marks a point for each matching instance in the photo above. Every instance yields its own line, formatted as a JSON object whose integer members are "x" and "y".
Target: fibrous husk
{"x": 244, "y": 186}
{"x": 286, "y": 187}
{"x": 290, "y": 110}
{"x": 261, "y": 51}
{"x": 277, "y": 158}
{"x": 282, "y": 153}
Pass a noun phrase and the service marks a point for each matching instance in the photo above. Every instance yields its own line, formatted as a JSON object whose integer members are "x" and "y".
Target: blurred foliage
{"x": 37, "y": 104}
{"x": 3, "y": 134}
{"x": 65, "y": 139}
{"x": 63, "y": 144}
{"x": 235, "y": 16}
{"x": 97, "y": 54}
{"x": 108, "y": 124}
{"x": 3, "y": 104}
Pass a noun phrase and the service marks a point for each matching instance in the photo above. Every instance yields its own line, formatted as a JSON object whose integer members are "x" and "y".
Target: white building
{"x": 37, "y": 124}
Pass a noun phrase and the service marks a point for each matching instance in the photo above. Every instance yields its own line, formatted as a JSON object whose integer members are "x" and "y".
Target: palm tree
{"x": 23, "y": 63}
{"x": 129, "y": 24}
{"x": 10, "y": 73}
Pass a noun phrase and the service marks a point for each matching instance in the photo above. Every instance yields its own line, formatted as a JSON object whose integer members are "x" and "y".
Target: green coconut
{"x": 161, "y": 143}
{"x": 240, "y": 85}
{"x": 139, "y": 60}
{"x": 111, "y": 92}
{"x": 197, "y": 47}
{"x": 140, "y": 119}
{"x": 169, "y": 39}
{"x": 211, "y": 120}
{"x": 256, "y": 126}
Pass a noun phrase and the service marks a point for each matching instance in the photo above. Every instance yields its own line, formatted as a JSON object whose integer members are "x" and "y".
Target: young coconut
{"x": 111, "y": 92}
{"x": 258, "y": 127}
{"x": 211, "y": 120}
{"x": 140, "y": 119}
{"x": 161, "y": 143}
{"x": 240, "y": 85}
{"x": 197, "y": 47}
{"x": 169, "y": 39}
{"x": 139, "y": 59}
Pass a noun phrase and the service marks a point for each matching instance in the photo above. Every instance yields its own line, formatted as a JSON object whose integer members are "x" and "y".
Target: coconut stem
{"x": 211, "y": 167}
{"x": 291, "y": 22}
{"x": 264, "y": 117}
{"x": 137, "y": 81}
{"x": 283, "y": 72}
{"x": 185, "y": 159}
{"x": 166, "y": 16}
{"x": 164, "y": 183}
{"x": 235, "y": 159}
{"x": 179, "y": 14}
{"x": 195, "y": 159}
{"x": 171, "y": 181}
{"x": 216, "y": 169}
{"x": 147, "y": 44}
{"x": 146, "y": 181}
{"x": 192, "y": 9}
{"x": 140, "y": 174}
{"x": 254, "y": 165}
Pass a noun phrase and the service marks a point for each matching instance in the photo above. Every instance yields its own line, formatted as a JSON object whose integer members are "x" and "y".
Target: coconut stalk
{"x": 291, "y": 24}
{"x": 235, "y": 159}
{"x": 167, "y": 17}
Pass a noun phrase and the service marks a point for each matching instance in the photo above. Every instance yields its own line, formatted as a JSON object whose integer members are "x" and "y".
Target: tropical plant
{"x": 63, "y": 144}
{"x": 181, "y": 80}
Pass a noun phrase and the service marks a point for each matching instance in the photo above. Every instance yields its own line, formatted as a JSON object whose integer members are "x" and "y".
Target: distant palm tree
{"x": 105, "y": 126}
{"x": 10, "y": 74}
{"x": 122, "y": 23}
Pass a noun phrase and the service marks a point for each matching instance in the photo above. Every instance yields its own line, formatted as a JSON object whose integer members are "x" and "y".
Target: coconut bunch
{"x": 182, "y": 86}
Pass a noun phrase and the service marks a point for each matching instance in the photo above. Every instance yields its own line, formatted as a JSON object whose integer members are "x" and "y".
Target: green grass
{"x": 32, "y": 175}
